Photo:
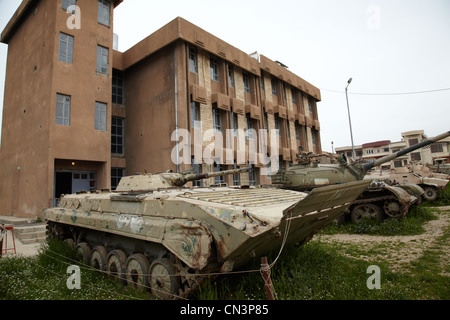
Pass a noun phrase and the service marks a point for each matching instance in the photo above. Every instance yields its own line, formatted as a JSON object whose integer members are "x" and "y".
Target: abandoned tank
{"x": 377, "y": 201}
{"x": 155, "y": 233}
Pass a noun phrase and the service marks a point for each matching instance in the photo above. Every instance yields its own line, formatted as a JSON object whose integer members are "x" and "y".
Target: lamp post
{"x": 349, "y": 119}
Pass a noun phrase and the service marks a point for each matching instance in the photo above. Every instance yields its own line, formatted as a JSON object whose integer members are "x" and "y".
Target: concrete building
{"x": 78, "y": 115}
{"x": 426, "y": 156}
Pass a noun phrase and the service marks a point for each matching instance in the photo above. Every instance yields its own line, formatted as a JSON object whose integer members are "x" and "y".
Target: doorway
{"x": 68, "y": 182}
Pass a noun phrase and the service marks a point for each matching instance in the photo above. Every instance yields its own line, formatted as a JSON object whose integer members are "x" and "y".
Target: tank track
{"x": 158, "y": 271}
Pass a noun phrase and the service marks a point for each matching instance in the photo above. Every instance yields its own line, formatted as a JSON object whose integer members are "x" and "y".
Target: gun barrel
{"x": 200, "y": 176}
{"x": 402, "y": 152}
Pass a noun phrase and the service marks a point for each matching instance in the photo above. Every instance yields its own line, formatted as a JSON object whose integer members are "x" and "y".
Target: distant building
{"x": 427, "y": 155}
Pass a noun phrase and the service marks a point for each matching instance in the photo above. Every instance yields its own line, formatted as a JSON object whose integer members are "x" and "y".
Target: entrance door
{"x": 80, "y": 182}
{"x": 68, "y": 182}
{"x": 63, "y": 183}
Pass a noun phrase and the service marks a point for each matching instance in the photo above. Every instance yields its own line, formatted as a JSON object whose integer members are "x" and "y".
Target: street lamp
{"x": 349, "y": 119}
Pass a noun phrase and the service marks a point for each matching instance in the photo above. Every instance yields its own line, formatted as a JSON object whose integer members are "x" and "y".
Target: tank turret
{"x": 308, "y": 174}
{"x": 158, "y": 181}
{"x": 377, "y": 201}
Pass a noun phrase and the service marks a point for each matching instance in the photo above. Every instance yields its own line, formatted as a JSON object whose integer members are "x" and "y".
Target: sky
{"x": 397, "y": 53}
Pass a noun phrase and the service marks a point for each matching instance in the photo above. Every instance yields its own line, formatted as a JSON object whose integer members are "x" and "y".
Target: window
{"x": 311, "y": 106}
{"x": 193, "y": 65}
{"x": 416, "y": 156}
{"x": 297, "y": 133}
{"x": 263, "y": 86}
{"x": 234, "y": 123}
{"x": 246, "y": 83}
{"x": 103, "y": 12}
{"x": 116, "y": 175}
{"x": 102, "y": 60}
{"x": 436, "y": 147}
{"x": 266, "y": 125}
{"x": 370, "y": 151}
{"x": 62, "y": 109}
{"x": 313, "y": 136}
{"x": 413, "y": 141}
{"x": 236, "y": 176}
{"x": 117, "y": 135}
{"x": 217, "y": 121}
{"x": 100, "y": 116}
{"x": 68, "y": 3}
{"x": 274, "y": 87}
{"x": 195, "y": 114}
{"x": 251, "y": 131}
{"x": 231, "y": 76}
{"x": 218, "y": 179}
{"x": 196, "y": 168}
{"x": 117, "y": 87}
{"x": 252, "y": 176}
{"x": 65, "y": 48}
{"x": 214, "y": 69}
{"x": 294, "y": 94}
{"x": 278, "y": 125}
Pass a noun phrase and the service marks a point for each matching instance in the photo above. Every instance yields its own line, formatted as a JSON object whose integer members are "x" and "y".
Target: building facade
{"x": 78, "y": 115}
{"x": 426, "y": 155}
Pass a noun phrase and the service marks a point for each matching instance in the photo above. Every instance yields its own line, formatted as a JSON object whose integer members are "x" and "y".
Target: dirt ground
{"x": 398, "y": 251}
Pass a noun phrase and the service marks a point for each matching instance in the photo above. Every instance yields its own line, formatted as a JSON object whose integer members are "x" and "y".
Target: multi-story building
{"x": 78, "y": 115}
{"x": 378, "y": 149}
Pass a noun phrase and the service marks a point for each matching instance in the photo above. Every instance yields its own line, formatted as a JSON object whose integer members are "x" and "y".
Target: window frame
{"x": 193, "y": 59}
{"x": 117, "y": 146}
{"x": 100, "y": 67}
{"x": 67, "y": 3}
{"x": 65, "y": 109}
{"x": 116, "y": 175}
{"x": 104, "y": 6}
{"x": 195, "y": 115}
{"x": 118, "y": 86}
{"x": 246, "y": 82}
{"x": 217, "y": 120}
{"x": 214, "y": 69}
{"x": 67, "y": 56}
{"x": 101, "y": 115}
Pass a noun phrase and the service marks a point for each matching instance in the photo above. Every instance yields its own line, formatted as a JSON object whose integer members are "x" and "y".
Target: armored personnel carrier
{"x": 378, "y": 200}
{"x": 155, "y": 233}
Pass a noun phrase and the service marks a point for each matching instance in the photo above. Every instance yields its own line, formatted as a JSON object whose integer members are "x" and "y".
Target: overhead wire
{"x": 388, "y": 94}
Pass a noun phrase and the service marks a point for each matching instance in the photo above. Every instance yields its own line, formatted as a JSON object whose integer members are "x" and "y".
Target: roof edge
{"x": 15, "y": 20}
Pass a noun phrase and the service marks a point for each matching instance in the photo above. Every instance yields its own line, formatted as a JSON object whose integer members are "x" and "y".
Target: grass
{"x": 411, "y": 224}
{"x": 45, "y": 276}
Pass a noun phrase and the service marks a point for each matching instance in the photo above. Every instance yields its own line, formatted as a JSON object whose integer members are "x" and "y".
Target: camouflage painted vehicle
{"x": 380, "y": 199}
{"x": 431, "y": 185}
{"x": 154, "y": 233}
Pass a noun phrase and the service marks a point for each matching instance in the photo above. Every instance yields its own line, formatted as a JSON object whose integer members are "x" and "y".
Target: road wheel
{"x": 430, "y": 193}
{"x": 163, "y": 280}
{"x": 366, "y": 210}
{"x": 136, "y": 271}
{"x": 393, "y": 209}
{"x": 116, "y": 265}
{"x": 84, "y": 252}
{"x": 98, "y": 258}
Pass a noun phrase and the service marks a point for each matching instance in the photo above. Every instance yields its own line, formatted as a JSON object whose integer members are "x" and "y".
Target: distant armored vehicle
{"x": 154, "y": 233}
{"x": 377, "y": 200}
